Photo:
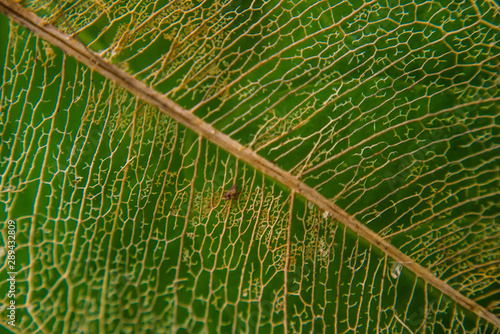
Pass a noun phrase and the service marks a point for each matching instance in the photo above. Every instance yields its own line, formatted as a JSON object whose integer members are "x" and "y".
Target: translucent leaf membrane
{"x": 128, "y": 231}
{"x": 388, "y": 108}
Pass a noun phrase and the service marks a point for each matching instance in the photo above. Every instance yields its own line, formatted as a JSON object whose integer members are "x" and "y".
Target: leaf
{"x": 363, "y": 138}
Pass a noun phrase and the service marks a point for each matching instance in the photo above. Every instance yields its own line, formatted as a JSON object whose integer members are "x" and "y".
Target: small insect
{"x": 232, "y": 193}
{"x": 396, "y": 269}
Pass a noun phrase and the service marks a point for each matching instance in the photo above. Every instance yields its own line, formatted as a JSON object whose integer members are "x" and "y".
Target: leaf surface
{"x": 363, "y": 138}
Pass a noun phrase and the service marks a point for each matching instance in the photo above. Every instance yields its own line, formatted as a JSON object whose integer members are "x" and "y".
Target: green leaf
{"x": 362, "y": 137}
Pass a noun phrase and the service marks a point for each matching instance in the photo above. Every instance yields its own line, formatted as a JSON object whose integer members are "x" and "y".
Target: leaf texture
{"x": 363, "y": 137}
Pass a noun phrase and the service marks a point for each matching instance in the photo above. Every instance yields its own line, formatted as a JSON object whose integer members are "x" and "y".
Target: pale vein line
{"x": 287, "y": 261}
{"x": 178, "y": 280}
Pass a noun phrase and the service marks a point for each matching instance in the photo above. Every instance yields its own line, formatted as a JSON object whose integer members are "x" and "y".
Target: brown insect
{"x": 232, "y": 193}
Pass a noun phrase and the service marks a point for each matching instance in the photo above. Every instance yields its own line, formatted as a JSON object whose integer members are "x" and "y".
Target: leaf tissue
{"x": 251, "y": 166}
